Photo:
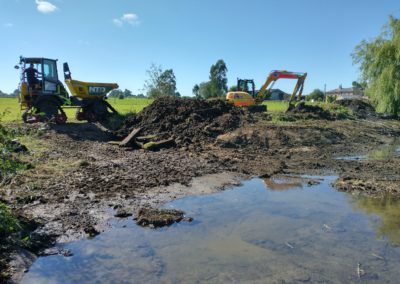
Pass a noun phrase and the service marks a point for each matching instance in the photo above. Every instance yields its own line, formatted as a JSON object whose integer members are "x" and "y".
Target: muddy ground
{"x": 79, "y": 179}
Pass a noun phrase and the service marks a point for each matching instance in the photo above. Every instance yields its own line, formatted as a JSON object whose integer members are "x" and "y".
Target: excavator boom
{"x": 276, "y": 75}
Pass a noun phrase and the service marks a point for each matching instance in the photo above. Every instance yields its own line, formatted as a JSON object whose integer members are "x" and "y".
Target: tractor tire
{"x": 25, "y": 115}
{"x": 96, "y": 111}
{"x": 48, "y": 107}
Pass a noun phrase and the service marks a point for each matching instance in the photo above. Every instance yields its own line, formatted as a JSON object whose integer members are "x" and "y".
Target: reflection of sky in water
{"x": 249, "y": 234}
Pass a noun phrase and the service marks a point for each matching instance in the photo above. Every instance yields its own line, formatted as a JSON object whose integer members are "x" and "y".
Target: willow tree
{"x": 379, "y": 61}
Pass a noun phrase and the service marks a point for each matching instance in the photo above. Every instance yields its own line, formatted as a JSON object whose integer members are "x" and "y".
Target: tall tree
{"x": 379, "y": 61}
{"x": 218, "y": 78}
{"x": 196, "y": 91}
{"x": 217, "y": 86}
{"x": 316, "y": 95}
{"x": 160, "y": 83}
{"x": 127, "y": 93}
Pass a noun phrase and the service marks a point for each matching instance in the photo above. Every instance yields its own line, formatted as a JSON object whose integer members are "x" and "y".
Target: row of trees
{"x": 118, "y": 93}
{"x": 162, "y": 83}
{"x": 13, "y": 94}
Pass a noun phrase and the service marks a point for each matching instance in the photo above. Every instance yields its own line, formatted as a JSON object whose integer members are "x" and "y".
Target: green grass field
{"x": 276, "y": 106}
{"x": 10, "y": 110}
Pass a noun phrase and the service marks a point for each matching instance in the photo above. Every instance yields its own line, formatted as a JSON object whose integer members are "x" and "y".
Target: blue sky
{"x": 118, "y": 40}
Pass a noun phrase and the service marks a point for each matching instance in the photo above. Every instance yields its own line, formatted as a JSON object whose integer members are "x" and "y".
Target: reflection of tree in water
{"x": 388, "y": 209}
{"x": 387, "y": 152}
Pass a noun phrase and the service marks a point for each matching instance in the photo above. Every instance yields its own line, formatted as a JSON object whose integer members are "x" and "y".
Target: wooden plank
{"x": 159, "y": 144}
{"x": 128, "y": 139}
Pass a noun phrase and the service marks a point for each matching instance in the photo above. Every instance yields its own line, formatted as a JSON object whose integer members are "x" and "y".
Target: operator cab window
{"x": 50, "y": 70}
{"x": 50, "y": 76}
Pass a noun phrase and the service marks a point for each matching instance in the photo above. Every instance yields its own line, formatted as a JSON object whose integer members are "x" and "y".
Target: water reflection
{"x": 386, "y": 152}
{"x": 288, "y": 183}
{"x": 387, "y": 209}
{"x": 248, "y": 234}
{"x": 382, "y": 153}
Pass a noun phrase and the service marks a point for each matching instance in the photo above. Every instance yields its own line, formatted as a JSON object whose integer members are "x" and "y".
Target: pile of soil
{"x": 186, "y": 121}
{"x": 303, "y": 111}
{"x": 361, "y": 108}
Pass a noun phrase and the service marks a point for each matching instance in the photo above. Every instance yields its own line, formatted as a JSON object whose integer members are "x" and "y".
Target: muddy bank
{"x": 79, "y": 180}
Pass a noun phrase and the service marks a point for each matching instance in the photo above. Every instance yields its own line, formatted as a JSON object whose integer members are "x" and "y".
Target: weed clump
{"x": 9, "y": 151}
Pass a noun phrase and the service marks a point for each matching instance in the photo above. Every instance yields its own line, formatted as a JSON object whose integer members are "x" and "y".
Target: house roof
{"x": 344, "y": 90}
{"x": 277, "y": 90}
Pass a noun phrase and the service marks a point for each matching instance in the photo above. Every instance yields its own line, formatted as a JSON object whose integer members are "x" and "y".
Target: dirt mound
{"x": 185, "y": 120}
{"x": 361, "y": 108}
{"x": 303, "y": 111}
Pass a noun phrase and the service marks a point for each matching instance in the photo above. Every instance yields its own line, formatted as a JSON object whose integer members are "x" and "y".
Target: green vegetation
{"x": 10, "y": 111}
{"x": 217, "y": 86}
{"x": 9, "y": 162}
{"x": 129, "y": 105}
{"x": 8, "y": 223}
{"x": 276, "y": 106}
{"x": 317, "y": 95}
{"x": 379, "y": 62}
{"x": 388, "y": 209}
{"x": 385, "y": 152}
{"x": 160, "y": 83}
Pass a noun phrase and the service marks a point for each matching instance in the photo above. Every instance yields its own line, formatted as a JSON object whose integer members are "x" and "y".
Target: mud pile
{"x": 303, "y": 111}
{"x": 361, "y": 108}
{"x": 186, "y": 121}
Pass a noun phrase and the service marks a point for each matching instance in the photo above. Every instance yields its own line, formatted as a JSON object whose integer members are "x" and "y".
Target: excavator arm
{"x": 276, "y": 75}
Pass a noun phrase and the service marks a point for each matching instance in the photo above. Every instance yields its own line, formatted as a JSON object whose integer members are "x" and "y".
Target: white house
{"x": 346, "y": 93}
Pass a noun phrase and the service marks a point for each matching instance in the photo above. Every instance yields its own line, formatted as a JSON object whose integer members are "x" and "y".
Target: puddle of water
{"x": 383, "y": 153}
{"x": 353, "y": 158}
{"x": 251, "y": 234}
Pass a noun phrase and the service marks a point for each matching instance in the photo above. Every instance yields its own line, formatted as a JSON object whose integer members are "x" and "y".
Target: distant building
{"x": 346, "y": 93}
{"x": 278, "y": 95}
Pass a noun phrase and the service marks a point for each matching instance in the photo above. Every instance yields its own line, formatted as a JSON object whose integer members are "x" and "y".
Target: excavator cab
{"x": 246, "y": 85}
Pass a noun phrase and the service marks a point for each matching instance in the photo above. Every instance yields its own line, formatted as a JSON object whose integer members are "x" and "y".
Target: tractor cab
{"x": 42, "y": 81}
{"x": 40, "y": 89}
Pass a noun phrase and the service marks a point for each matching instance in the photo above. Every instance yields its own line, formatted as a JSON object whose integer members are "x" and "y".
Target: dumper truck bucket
{"x": 86, "y": 90}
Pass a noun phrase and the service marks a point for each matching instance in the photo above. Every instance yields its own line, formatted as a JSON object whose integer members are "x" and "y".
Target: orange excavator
{"x": 246, "y": 96}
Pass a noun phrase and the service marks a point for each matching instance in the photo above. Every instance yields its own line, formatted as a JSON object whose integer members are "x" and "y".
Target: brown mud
{"x": 79, "y": 180}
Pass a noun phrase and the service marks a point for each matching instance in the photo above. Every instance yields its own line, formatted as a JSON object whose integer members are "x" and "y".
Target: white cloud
{"x": 118, "y": 22}
{"x": 128, "y": 18}
{"x": 8, "y": 25}
{"x": 45, "y": 7}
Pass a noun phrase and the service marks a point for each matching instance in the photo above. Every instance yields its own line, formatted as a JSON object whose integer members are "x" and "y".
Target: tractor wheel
{"x": 25, "y": 115}
{"x": 113, "y": 110}
{"x": 96, "y": 110}
{"x": 47, "y": 108}
{"x": 61, "y": 118}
